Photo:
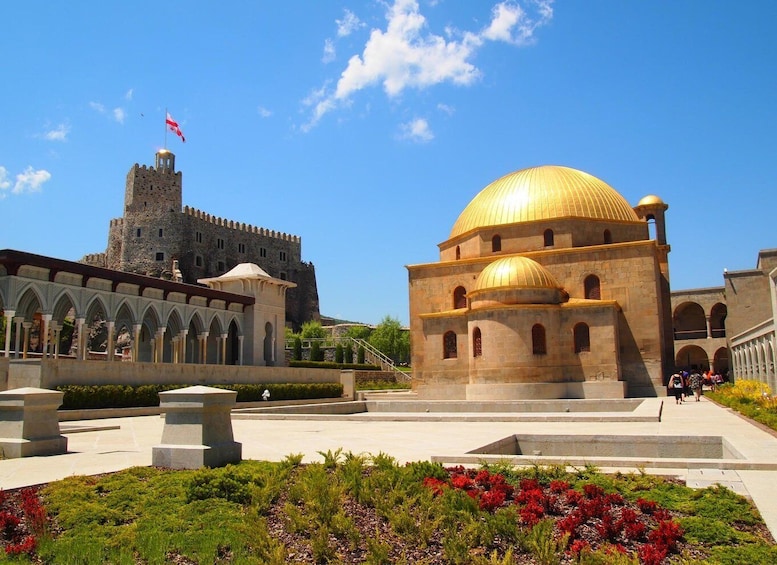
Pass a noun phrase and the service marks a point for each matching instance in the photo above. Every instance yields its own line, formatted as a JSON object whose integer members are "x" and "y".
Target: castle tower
{"x": 151, "y": 230}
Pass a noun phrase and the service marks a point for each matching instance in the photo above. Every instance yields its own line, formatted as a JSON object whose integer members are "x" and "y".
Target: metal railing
{"x": 372, "y": 355}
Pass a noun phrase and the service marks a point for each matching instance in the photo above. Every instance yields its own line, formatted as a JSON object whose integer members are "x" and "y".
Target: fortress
{"x": 159, "y": 237}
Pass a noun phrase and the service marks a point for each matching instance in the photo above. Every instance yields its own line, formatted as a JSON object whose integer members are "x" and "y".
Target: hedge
{"x": 332, "y": 365}
{"x": 80, "y": 397}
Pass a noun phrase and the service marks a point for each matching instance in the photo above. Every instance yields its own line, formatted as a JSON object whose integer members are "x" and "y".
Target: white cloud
{"x": 59, "y": 133}
{"x": 407, "y": 55}
{"x": 97, "y": 107}
{"x": 30, "y": 180}
{"x": 264, "y": 112}
{"x": 417, "y": 130}
{"x": 4, "y": 182}
{"x": 511, "y": 23}
{"x": 128, "y": 95}
{"x": 329, "y": 51}
{"x": 445, "y": 108}
{"x": 119, "y": 115}
{"x": 348, "y": 24}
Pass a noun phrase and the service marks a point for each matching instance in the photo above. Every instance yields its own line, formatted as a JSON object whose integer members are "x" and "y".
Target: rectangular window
{"x": 283, "y": 276}
{"x": 161, "y": 232}
{"x": 222, "y": 267}
{"x": 137, "y": 232}
{"x": 198, "y": 237}
{"x": 262, "y": 252}
{"x": 160, "y": 256}
{"x": 282, "y": 255}
{"x": 220, "y": 243}
{"x": 241, "y": 247}
{"x": 198, "y": 261}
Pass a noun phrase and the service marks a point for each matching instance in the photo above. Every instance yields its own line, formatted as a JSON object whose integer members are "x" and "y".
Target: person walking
{"x": 696, "y": 383}
{"x": 675, "y": 388}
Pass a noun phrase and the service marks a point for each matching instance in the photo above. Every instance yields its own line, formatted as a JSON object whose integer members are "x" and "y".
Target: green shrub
{"x": 89, "y": 397}
{"x": 297, "y": 348}
{"x": 360, "y": 355}
{"x": 339, "y": 353}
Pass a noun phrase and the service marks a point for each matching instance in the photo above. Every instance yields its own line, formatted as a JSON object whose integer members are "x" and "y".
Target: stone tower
{"x": 159, "y": 237}
{"x": 148, "y": 238}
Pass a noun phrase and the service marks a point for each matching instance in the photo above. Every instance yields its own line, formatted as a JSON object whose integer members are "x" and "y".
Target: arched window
{"x": 477, "y": 344}
{"x": 582, "y": 338}
{"x": 592, "y": 288}
{"x": 607, "y": 236}
{"x": 549, "y": 239}
{"x": 538, "y": 343}
{"x": 449, "y": 345}
{"x": 460, "y": 297}
{"x": 496, "y": 243}
{"x": 458, "y": 253}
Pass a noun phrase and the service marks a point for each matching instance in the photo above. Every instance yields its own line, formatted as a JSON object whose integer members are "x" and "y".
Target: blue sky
{"x": 367, "y": 127}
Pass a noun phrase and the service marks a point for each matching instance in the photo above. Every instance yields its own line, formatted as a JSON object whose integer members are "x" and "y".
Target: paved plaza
{"x": 99, "y": 446}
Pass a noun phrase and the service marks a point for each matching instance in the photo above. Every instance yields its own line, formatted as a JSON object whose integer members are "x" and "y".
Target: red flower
{"x": 559, "y": 486}
{"x": 651, "y": 555}
{"x": 646, "y": 506}
{"x": 666, "y": 535}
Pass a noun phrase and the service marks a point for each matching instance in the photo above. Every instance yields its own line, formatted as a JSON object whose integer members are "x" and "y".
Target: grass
{"x": 371, "y": 507}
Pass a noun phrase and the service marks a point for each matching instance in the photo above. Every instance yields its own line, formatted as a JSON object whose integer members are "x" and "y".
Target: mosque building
{"x": 550, "y": 285}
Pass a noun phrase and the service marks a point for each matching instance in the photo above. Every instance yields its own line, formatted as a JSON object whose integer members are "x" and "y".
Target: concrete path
{"x": 100, "y": 446}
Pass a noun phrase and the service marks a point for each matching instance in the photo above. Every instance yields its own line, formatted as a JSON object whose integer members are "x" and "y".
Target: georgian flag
{"x": 173, "y": 125}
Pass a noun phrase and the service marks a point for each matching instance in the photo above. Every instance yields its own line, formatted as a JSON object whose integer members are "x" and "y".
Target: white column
{"x": 224, "y": 348}
{"x": 55, "y": 329}
{"x": 109, "y": 351}
{"x": 203, "y": 348}
{"x": 46, "y": 319}
{"x": 136, "y": 341}
{"x": 81, "y": 343}
{"x": 18, "y": 320}
{"x": 9, "y": 314}
{"x": 240, "y": 350}
{"x": 183, "y": 334}
{"x": 153, "y": 349}
{"x": 27, "y": 327}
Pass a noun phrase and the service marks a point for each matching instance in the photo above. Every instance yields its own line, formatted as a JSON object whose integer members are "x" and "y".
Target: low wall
{"x": 51, "y": 373}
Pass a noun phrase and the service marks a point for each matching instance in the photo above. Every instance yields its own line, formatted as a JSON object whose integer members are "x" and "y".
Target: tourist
{"x": 675, "y": 388}
{"x": 266, "y": 395}
{"x": 695, "y": 382}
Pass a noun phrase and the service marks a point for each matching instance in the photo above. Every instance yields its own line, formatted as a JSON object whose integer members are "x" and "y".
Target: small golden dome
{"x": 515, "y": 272}
{"x": 541, "y": 193}
{"x": 650, "y": 200}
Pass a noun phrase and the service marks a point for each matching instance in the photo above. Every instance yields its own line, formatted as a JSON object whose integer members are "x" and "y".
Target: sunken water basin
{"x": 594, "y": 446}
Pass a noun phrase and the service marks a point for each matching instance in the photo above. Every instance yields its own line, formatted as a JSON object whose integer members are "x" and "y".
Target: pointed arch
{"x": 459, "y": 297}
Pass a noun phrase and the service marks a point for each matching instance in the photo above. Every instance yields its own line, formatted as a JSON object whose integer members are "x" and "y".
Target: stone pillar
{"x": 136, "y": 341}
{"x": 44, "y": 332}
{"x": 55, "y": 329}
{"x": 153, "y": 350}
{"x": 18, "y": 320}
{"x": 111, "y": 349}
{"x": 709, "y": 327}
{"x": 81, "y": 343}
{"x": 160, "y": 345}
{"x": 183, "y": 334}
{"x": 198, "y": 429}
{"x": 175, "y": 343}
{"x": 203, "y": 347}
{"x": 240, "y": 350}
{"x": 29, "y": 424}
{"x": 9, "y": 314}
{"x": 27, "y": 327}
{"x": 224, "y": 348}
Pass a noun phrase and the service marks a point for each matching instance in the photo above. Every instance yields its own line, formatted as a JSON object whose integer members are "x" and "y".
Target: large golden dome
{"x": 515, "y": 272}
{"x": 542, "y": 193}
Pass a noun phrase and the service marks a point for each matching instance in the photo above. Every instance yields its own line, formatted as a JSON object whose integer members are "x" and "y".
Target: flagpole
{"x": 165, "y": 128}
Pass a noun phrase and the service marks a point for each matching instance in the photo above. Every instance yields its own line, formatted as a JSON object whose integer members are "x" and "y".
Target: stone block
{"x": 198, "y": 429}
{"x": 29, "y": 424}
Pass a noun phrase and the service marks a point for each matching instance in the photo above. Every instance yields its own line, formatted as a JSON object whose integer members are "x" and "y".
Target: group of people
{"x": 682, "y": 385}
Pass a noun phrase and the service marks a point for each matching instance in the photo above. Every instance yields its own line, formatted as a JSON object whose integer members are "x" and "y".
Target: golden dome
{"x": 515, "y": 272}
{"x": 650, "y": 200}
{"x": 542, "y": 193}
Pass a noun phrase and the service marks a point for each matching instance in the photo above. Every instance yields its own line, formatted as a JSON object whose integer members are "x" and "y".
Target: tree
{"x": 339, "y": 353}
{"x": 358, "y": 332}
{"x": 313, "y": 330}
{"x": 390, "y": 339}
{"x": 297, "y": 348}
{"x": 316, "y": 353}
{"x": 348, "y": 353}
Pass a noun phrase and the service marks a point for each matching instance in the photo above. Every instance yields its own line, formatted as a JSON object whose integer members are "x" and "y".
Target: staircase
{"x": 375, "y": 357}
